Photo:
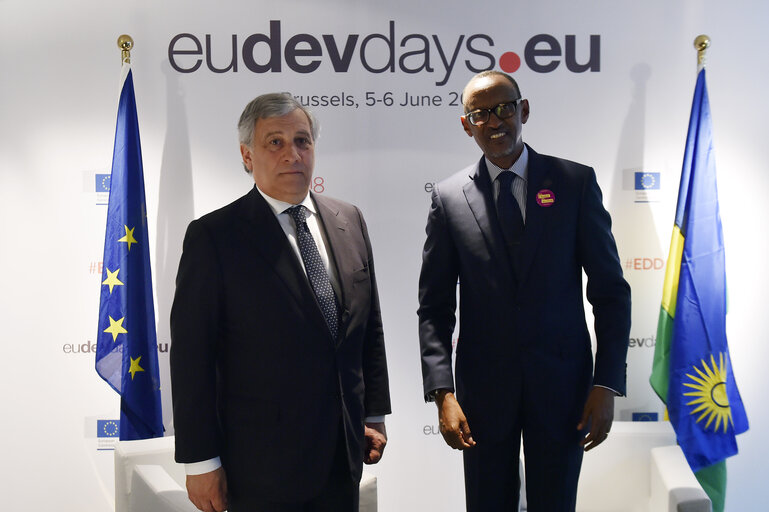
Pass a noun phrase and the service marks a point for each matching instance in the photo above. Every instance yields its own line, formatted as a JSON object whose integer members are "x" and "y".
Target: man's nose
{"x": 494, "y": 121}
{"x": 292, "y": 154}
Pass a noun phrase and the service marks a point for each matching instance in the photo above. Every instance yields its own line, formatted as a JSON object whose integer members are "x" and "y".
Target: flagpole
{"x": 125, "y": 43}
{"x": 701, "y": 44}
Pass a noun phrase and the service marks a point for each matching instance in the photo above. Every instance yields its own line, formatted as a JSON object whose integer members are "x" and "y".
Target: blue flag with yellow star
{"x": 692, "y": 370}
{"x": 126, "y": 350}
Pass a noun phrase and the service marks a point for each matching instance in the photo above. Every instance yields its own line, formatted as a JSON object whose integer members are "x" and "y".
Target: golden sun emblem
{"x": 711, "y": 399}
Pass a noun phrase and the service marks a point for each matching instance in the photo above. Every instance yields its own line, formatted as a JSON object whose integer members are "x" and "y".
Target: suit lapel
{"x": 538, "y": 179}
{"x": 336, "y": 229}
{"x": 480, "y": 197}
{"x": 272, "y": 244}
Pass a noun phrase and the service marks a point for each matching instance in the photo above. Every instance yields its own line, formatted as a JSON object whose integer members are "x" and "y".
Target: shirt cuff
{"x": 205, "y": 466}
{"x": 375, "y": 419}
{"x": 430, "y": 397}
{"x": 607, "y": 387}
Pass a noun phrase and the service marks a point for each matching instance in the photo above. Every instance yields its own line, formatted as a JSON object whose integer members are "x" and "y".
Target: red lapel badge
{"x": 545, "y": 198}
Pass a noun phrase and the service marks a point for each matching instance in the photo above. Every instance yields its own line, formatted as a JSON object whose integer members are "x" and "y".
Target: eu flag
{"x": 692, "y": 370}
{"x": 126, "y": 350}
{"x": 647, "y": 180}
{"x": 107, "y": 428}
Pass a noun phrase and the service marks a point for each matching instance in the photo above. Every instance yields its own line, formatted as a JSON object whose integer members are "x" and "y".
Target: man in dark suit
{"x": 517, "y": 229}
{"x": 278, "y": 370}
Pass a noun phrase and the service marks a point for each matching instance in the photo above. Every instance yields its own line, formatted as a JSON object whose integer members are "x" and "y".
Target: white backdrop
{"x": 627, "y": 114}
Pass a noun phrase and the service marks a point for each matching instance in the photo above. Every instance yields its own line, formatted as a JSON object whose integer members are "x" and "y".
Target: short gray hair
{"x": 273, "y": 104}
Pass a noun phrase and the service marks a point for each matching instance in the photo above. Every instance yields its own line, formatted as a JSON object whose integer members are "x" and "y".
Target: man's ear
{"x": 524, "y": 111}
{"x": 245, "y": 152}
{"x": 466, "y": 126}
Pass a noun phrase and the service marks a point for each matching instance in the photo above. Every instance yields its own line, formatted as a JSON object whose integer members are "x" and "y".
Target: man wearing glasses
{"x": 517, "y": 229}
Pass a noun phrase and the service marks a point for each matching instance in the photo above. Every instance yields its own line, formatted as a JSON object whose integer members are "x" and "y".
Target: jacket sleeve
{"x": 377, "y": 396}
{"x": 195, "y": 320}
{"x": 437, "y": 300}
{"x": 607, "y": 290}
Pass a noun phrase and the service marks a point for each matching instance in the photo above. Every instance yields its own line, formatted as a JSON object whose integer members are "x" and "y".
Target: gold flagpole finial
{"x": 125, "y": 43}
{"x": 701, "y": 44}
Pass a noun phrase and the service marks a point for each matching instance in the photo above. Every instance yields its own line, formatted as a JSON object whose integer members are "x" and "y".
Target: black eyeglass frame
{"x": 495, "y": 110}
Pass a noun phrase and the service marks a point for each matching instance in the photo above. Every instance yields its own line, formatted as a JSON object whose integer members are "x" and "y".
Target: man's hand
{"x": 208, "y": 491}
{"x": 453, "y": 424}
{"x": 599, "y": 414}
{"x": 376, "y": 440}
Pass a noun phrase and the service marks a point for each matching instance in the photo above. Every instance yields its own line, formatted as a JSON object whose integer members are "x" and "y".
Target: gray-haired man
{"x": 278, "y": 365}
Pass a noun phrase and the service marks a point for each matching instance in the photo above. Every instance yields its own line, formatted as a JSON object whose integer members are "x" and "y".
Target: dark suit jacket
{"x": 522, "y": 334}
{"x": 257, "y": 378}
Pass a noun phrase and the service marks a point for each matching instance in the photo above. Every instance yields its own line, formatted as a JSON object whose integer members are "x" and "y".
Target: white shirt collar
{"x": 279, "y": 206}
{"x": 520, "y": 166}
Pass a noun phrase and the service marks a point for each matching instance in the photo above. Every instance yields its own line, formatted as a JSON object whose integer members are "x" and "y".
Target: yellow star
{"x": 112, "y": 280}
{"x": 129, "y": 237}
{"x": 115, "y": 328}
{"x": 135, "y": 367}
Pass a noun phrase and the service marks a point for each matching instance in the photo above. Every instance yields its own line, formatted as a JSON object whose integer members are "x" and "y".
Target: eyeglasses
{"x": 502, "y": 111}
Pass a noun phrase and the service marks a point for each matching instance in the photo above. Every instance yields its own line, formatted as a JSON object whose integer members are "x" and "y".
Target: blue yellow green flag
{"x": 126, "y": 350}
{"x": 692, "y": 371}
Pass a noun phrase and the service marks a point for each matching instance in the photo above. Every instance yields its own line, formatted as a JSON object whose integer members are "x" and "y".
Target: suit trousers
{"x": 492, "y": 481}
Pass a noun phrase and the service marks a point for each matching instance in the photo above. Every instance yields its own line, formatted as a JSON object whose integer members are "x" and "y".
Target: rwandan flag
{"x": 692, "y": 371}
{"x": 126, "y": 350}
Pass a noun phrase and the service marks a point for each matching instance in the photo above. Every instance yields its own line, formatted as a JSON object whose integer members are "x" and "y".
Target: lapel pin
{"x": 545, "y": 198}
